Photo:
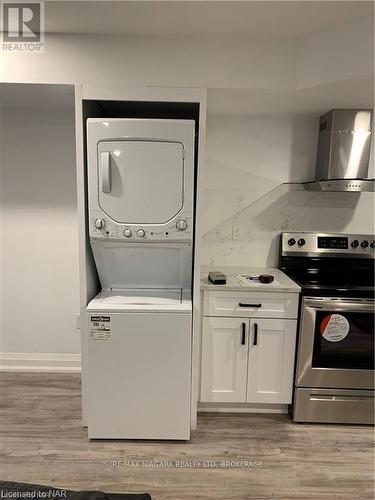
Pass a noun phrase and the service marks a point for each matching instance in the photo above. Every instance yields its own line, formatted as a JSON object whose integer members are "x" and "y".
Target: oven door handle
{"x": 330, "y": 305}
{"x": 342, "y": 398}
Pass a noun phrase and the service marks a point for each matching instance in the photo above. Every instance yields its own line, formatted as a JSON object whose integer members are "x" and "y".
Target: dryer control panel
{"x": 103, "y": 227}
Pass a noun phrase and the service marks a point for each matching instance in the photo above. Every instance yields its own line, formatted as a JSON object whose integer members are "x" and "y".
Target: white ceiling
{"x": 278, "y": 19}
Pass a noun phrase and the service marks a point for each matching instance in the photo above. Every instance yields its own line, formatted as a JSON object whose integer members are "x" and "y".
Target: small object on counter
{"x": 260, "y": 280}
{"x": 263, "y": 278}
{"x": 266, "y": 278}
{"x": 217, "y": 278}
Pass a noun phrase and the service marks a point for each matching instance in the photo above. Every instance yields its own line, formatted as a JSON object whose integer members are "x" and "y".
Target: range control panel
{"x": 333, "y": 242}
{"x": 352, "y": 245}
{"x": 103, "y": 227}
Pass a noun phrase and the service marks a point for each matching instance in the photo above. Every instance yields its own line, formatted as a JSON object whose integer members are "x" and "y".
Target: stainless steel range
{"x": 334, "y": 380}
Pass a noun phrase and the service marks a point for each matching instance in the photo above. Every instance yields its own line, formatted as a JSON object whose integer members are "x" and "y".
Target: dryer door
{"x": 141, "y": 181}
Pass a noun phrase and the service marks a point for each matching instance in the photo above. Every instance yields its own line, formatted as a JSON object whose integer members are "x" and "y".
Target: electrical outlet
{"x": 236, "y": 234}
{"x": 78, "y": 321}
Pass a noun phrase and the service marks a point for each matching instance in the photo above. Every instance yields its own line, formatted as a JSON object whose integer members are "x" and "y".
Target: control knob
{"x": 99, "y": 223}
{"x": 354, "y": 243}
{"x": 181, "y": 225}
{"x": 291, "y": 242}
{"x": 372, "y": 244}
{"x": 127, "y": 233}
{"x": 364, "y": 244}
{"x": 301, "y": 242}
{"x": 141, "y": 233}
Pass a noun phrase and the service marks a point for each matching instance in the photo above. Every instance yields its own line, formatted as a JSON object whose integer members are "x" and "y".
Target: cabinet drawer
{"x": 250, "y": 304}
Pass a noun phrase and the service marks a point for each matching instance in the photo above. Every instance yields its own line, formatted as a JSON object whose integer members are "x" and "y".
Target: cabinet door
{"x": 271, "y": 360}
{"x": 224, "y": 360}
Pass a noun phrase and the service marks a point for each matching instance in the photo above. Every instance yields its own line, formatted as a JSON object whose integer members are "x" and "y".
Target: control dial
{"x": 354, "y": 243}
{"x": 364, "y": 244}
{"x": 141, "y": 233}
{"x": 291, "y": 242}
{"x": 127, "y": 233}
{"x": 301, "y": 242}
{"x": 99, "y": 223}
{"x": 181, "y": 225}
{"x": 372, "y": 244}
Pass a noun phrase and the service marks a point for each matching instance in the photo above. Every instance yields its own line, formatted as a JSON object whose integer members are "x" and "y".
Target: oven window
{"x": 344, "y": 340}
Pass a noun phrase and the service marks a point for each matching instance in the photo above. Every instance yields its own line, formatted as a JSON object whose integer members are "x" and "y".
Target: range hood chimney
{"x": 342, "y": 162}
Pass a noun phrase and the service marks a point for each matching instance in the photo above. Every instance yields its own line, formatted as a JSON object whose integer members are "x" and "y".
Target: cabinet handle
{"x": 243, "y": 335}
{"x": 255, "y": 334}
{"x": 241, "y": 304}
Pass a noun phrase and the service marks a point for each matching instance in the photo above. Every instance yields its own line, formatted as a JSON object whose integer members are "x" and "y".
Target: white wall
{"x": 155, "y": 60}
{"x": 346, "y": 52}
{"x": 287, "y": 208}
{"x": 248, "y": 156}
{"x": 235, "y": 62}
{"x": 39, "y": 240}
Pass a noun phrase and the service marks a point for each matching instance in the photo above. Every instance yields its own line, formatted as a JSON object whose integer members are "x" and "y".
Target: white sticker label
{"x": 100, "y": 327}
{"x": 334, "y": 327}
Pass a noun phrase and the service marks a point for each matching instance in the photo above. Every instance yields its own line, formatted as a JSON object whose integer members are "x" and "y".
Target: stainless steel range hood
{"x": 342, "y": 162}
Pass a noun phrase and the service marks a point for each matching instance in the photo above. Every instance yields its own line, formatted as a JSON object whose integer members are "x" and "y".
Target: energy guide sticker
{"x": 334, "y": 327}
{"x": 100, "y": 328}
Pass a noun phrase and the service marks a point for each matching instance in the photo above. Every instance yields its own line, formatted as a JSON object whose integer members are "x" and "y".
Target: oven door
{"x": 336, "y": 343}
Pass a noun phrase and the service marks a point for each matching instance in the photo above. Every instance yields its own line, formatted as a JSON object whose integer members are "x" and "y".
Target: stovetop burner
{"x": 339, "y": 270}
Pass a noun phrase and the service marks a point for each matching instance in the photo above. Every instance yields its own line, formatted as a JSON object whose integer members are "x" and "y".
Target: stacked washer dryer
{"x": 141, "y": 227}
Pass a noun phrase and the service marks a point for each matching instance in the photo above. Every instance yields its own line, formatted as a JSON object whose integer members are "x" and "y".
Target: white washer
{"x": 139, "y": 364}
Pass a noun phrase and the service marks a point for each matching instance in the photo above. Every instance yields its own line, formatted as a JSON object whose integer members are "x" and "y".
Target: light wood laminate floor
{"x": 42, "y": 441}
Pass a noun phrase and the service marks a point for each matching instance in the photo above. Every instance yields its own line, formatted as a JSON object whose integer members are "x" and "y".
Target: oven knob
{"x": 372, "y": 244}
{"x": 301, "y": 242}
{"x": 181, "y": 225}
{"x": 141, "y": 233}
{"x": 354, "y": 243}
{"x": 99, "y": 223}
{"x": 291, "y": 242}
{"x": 364, "y": 244}
{"x": 127, "y": 233}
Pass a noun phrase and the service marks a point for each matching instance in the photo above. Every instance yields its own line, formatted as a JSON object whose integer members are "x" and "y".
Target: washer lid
{"x": 142, "y": 300}
{"x": 141, "y": 181}
{"x": 141, "y": 297}
{"x": 157, "y": 266}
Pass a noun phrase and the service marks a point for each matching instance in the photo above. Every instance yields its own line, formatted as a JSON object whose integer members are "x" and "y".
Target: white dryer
{"x": 141, "y": 226}
{"x": 140, "y": 179}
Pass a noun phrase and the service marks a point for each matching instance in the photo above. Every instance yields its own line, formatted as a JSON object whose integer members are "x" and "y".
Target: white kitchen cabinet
{"x": 271, "y": 360}
{"x": 224, "y": 359}
{"x": 248, "y": 359}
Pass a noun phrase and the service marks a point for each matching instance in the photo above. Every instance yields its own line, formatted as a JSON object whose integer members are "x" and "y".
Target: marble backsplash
{"x": 288, "y": 207}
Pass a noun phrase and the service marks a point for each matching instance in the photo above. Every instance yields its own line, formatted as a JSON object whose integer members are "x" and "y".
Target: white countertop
{"x": 281, "y": 282}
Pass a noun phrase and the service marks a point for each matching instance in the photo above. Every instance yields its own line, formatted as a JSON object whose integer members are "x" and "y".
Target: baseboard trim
{"x": 242, "y": 408}
{"x": 39, "y": 362}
